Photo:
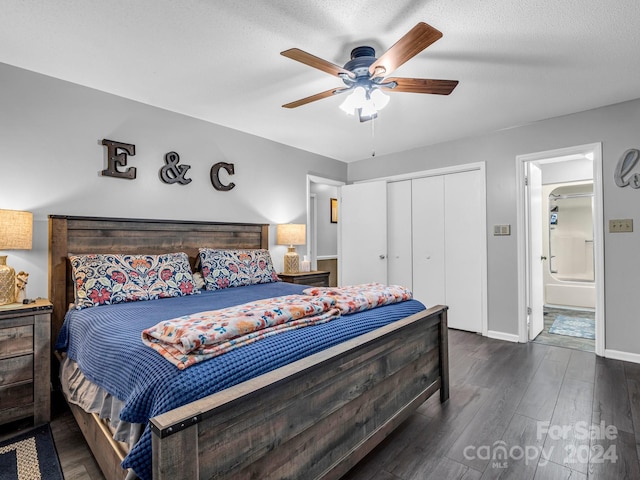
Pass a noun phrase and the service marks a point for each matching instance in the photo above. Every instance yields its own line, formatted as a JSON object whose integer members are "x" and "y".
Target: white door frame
{"x": 312, "y": 229}
{"x": 595, "y": 150}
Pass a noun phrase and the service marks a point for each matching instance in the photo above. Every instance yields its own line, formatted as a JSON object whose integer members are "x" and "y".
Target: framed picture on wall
{"x": 334, "y": 210}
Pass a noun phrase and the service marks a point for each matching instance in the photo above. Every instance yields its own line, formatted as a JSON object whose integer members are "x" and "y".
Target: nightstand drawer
{"x": 16, "y": 369}
{"x": 16, "y": 340}
{"x": 16, "y": 395}
{"x": 25, "y": 369}
{"x": 317, "y": 282}
{"x": 312, "y": 279}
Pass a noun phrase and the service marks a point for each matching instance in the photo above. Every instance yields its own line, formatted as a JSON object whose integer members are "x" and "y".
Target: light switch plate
{"x": 621, "y": 225}
{"x": 500, "y": 230}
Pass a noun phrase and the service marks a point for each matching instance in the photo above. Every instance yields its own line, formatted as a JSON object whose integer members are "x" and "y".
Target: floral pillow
{"x": 104, "y": 279}
{"x": 235, "y": 268}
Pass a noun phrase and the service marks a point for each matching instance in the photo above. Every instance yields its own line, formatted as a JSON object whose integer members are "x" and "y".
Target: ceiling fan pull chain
{"x": 373, "y": 138}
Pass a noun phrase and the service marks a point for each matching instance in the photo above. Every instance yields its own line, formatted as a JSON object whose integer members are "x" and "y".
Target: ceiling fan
{"x": 365, "y": 75}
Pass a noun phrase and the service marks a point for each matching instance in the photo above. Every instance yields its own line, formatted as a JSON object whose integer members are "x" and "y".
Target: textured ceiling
{"x": 218, "y": 60}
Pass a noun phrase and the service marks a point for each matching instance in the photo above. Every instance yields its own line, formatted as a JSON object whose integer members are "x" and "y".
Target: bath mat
{"x": 30, "y": 455}
{"x": 574, "y": 327}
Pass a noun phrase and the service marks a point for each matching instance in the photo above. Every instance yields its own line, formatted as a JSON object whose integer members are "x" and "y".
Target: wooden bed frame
{"x": 313, "y": 419}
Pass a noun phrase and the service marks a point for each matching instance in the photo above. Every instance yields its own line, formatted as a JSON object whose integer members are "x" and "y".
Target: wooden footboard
{"x": 313, "y": 419}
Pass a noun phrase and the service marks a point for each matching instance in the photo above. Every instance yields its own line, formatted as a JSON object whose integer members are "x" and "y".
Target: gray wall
{"x": 51, "y": 159}
{"x": 618, "y": 128}
{"x": 327, "y": 232}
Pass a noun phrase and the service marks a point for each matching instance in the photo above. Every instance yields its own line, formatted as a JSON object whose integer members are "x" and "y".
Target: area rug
{"x": 574, "y": 327}
{"x": 30, "y": 456}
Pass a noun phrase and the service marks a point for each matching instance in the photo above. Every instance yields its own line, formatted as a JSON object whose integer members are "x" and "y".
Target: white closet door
{"x": 463, "y": 249}
{"x": 428, "y": 240}
{"x": 362, "y": 224}
{"x": 399, "y": 260}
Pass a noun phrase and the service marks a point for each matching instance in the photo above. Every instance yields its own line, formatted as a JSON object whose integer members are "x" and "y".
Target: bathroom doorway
{"x": 568, "y": 268}
{"x": 560, "y": 248}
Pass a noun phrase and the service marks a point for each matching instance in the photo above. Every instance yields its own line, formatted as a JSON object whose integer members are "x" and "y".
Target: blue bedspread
{"x": 105, "y": 342}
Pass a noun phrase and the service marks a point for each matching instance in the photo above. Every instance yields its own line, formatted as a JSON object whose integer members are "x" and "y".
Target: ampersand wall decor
{"x": 171, "y": 172}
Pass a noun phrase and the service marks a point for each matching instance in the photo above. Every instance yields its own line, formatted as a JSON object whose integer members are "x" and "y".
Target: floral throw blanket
{"x": 356, "y": 298}
{"x": 187, "y": 340}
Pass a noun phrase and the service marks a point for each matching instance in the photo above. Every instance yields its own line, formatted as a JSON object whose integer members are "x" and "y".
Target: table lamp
{"x": 16, "y": 229}
{"x": 291, "y": 234}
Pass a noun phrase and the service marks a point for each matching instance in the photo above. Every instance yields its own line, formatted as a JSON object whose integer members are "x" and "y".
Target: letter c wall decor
{"x": 215, "y": 176}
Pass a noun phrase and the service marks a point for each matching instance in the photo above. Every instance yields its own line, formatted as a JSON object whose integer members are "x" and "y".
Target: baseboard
{"x": 509, "y": 337}
{"x": 624, "y": 356}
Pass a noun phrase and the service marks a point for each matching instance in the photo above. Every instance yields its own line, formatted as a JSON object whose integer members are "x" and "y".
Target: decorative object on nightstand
{"x": 15, "y": 234}
{"x": 25, "y": 362}
{"x": 305, "y": 265}
{"x": 291, "y": 234}
{"x": 21, "y": 286}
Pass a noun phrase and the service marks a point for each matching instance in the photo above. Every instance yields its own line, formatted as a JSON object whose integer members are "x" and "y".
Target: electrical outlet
{"x": 621, "y": 225}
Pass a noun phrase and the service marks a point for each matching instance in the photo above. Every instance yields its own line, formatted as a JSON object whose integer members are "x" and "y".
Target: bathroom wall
{"x": 568, "y": 245}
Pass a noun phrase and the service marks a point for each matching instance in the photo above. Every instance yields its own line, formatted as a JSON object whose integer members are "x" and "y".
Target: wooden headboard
{"x": 84, "y": 235}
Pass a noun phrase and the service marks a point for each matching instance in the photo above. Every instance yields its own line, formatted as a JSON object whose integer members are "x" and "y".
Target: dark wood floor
{"x": 519, "y": 398}
{"x": 510, "y": 405}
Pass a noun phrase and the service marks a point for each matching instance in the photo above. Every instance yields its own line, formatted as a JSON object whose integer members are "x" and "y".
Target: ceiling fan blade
{"x": 316, "y": 62}
{"x": 414, "y": 41}
{"x": 317, "y": 96}
{"x": 421, "y": 85}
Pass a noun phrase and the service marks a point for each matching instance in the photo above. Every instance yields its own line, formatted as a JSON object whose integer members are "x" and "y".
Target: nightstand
{"x": 313, "y": 279}
{"x": 25, "y": 361}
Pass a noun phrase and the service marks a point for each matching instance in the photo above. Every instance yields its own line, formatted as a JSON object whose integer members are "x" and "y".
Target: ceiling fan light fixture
{"x": 357, "y": 99}
{"x": 379, "y": 99}
{"x": 366, "y": 103}
{"x": 364, "y": 115}
{"x": 368, "y": 110}
{"x": 347, "y": 106}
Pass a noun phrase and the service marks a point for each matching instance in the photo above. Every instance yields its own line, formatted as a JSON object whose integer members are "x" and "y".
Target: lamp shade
{"x": 16, "y": 229}
{"x": 291, "y": 234}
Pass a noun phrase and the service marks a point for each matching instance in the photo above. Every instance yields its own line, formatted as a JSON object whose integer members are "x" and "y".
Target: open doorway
{"x": 322, "y": 228}
{"x": 560, "y": 248}
{"x": 568, "y": 268}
